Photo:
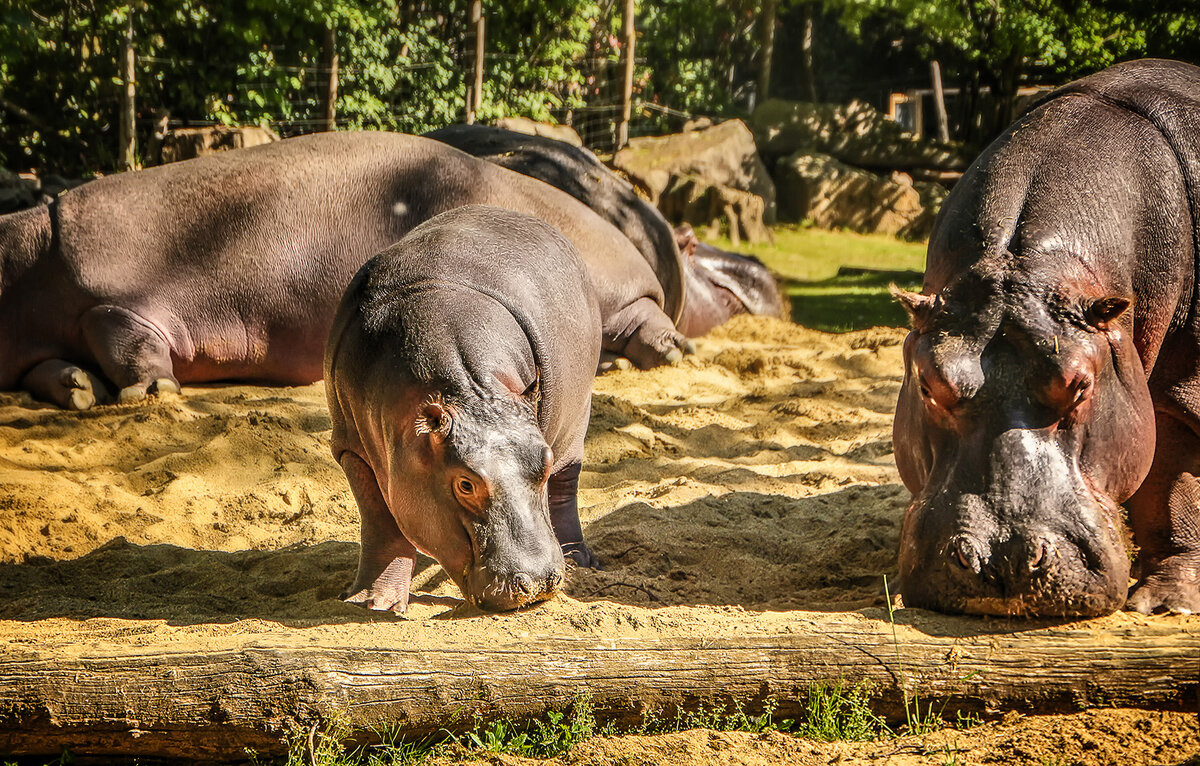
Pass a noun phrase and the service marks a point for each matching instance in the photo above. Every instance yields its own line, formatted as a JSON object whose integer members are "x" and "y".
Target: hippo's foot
{"x": 1173, "y": 586}
{"x": 379, "y": 599}
{"x": 581, "y": 554}
{"x": 67, "y": 385}
{"x": 139, "y": 391}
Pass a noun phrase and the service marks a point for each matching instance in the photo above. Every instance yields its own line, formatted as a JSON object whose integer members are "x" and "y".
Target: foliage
{"x": 1002, "y": 44}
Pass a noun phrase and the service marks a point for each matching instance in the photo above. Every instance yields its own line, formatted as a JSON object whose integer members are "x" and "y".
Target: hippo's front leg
{"x": 131, "y": 351}
{"x": 1165, "y": 516}
{"x": 66, "y": 384}
{"x": 387, "y": 559}
{"x": 564, "y": 516}
{"x": 646, "y": 336}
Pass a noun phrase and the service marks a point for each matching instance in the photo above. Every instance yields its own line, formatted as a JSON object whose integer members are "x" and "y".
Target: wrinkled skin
{"x": 1051, "y": 374}
{"x": 230, "y": 266}
{"x": 459, "y": 386}
{"x": 709, "y": 285}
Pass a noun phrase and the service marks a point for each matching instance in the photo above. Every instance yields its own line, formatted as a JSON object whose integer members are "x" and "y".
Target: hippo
{"x": 459, "y": 374}
{"x": 717, "y": 284}
{"x": 1053, "y": 368}
{"x": 230, "y": 266}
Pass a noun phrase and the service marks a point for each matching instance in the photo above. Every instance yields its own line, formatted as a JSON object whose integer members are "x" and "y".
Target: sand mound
{"x": 757, "y": 473}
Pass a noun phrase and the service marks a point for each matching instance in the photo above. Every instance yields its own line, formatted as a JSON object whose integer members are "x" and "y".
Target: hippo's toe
{"x": 1171, "y": 588}
{"x": 139, "y": 391}
{"x": 581, "y": 555}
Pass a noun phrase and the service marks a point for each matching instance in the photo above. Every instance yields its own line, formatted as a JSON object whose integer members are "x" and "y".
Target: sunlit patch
{"x": 400, "y": 208}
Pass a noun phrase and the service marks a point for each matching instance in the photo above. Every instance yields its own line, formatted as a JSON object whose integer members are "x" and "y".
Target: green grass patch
{"x": 838, "y": 281}
{"x": 837, "y": 712}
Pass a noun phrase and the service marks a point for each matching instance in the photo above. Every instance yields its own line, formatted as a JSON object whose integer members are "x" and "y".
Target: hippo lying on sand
{"x": 230, "y": 266}
{"x": 459, "y": 375}
{"x": 1056, "y": 340}
{"x": 717, "y": 284}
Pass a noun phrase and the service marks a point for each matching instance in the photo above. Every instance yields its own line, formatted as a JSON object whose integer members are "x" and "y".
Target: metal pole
{"x": 475, "y": 90}
{"x": 627, "y": 91}
{"x": 127, "y": 150}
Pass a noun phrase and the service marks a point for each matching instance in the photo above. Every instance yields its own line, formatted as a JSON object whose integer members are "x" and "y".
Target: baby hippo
{"x": 459, "y": 374}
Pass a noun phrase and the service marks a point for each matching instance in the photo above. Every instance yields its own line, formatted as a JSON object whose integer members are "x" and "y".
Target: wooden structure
{"x": 176, "y": 692}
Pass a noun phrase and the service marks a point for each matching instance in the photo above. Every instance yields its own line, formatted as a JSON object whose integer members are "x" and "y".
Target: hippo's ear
{"x": 1103, "y": 311}
{"x": 918, "y": 306}
{"x": 532, "y": 396}
{"x": 434, "y": 419}
{"x": 686, "y": 240}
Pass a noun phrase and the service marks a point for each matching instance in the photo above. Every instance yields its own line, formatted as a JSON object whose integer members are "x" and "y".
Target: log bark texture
{"x": 213, "y": 698}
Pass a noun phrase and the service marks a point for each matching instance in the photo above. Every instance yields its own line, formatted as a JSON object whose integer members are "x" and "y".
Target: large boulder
{"x": 186, "y": 143}
{"x": 855, "y": 133}
{"x": 529, "y": 127}
{"x": 715, "y": 168}
{"x": 834, "y": 195}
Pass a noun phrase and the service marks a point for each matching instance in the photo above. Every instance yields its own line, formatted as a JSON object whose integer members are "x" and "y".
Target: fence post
{"x": 127, "y": 150}
{"x": 475, "y": 90}
{"x": 627, "y": 90}
{"x": 939, "y": 100}
{"x": 331, "y": 67}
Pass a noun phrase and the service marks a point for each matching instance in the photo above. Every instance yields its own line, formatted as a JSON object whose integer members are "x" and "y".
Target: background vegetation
{"x": 404, "y": 63}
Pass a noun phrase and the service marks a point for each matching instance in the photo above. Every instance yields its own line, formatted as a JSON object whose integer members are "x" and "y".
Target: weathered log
{"x": 110, "y": 687}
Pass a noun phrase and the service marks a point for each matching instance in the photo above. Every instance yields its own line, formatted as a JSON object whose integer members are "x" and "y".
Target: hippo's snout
{"x": 1016, "y": 572}
{"x": 501, "y": 592}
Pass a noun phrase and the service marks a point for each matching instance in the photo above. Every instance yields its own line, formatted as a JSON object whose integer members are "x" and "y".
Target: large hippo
{"x": 717, "y": 284}
{"x": 459, "y": 376}
{"x": 230, "y": 266}
{"x": 1053, "y": 370}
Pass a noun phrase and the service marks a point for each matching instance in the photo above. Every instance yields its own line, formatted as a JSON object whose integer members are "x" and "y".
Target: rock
{"x": 15, "y": 192}
{"x": 719, "y": 208}
{"x": 529, "y": 127}
{"x": 855, "y": 133}
{"x": 705, "y": 169}
{"x": 834, "y": 195}
{"x": 186, "y": 143}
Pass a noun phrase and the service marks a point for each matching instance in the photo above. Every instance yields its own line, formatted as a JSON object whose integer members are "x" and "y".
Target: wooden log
{"x": 329, "y": 61}
{"x": 127, "y": 138}
{"x": 163, "y": 696}
{"x": 629, "y": 37}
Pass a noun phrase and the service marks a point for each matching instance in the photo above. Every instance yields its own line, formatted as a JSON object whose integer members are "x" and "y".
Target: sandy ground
{"x": 757, "y": 475}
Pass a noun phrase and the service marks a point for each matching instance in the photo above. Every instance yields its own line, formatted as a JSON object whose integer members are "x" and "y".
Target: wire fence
{"x": 587, "y": 96}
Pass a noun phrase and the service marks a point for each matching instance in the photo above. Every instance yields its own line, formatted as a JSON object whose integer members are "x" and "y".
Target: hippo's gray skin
{"x": 716, "y": 284}
{"x": 459, "y": 374}
{"x": 1056, "y": 339}
{"x": 230, "y": 266}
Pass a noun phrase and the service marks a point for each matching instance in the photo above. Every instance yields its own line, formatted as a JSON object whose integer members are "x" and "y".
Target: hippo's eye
{"x": 465, "y": 486}
{"x": 1106, "y": 310}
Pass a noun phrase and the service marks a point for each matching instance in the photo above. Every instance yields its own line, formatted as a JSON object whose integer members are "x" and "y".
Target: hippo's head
{"x": 476, "y": 498}
{"x": 1023, "y": 421}
{"x": 720, "y": 285}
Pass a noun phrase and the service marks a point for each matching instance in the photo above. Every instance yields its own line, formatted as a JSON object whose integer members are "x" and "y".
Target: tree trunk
{"x": 939, "y": 101}
{"x": 127, "y": 149}
{"x": 329, "y": 61}
{"x": 766, "y": 47}
{"x": 475, "y": 91}
{"x": 630, "y": 34}
{"x": 181, "y": 693}
{"x": 806, "y": 55}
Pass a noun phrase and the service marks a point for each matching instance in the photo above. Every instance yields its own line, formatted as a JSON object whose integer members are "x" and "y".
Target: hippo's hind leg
{"x": 387, "y": 559}
{"x": 564, "y": 517}
{"x": 1165, "y": 516}
{"x": 66, "y": 384}
{"x": 131, "y": 351}
{"x": 646, "y": 336}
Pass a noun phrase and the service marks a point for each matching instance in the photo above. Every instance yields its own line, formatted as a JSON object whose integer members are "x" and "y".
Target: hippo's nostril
{"x": 523, "y": 584}
{"x": 555, "y": 580}
{"x": 1040, "y": 555}
{"x": 964, "y": 554}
